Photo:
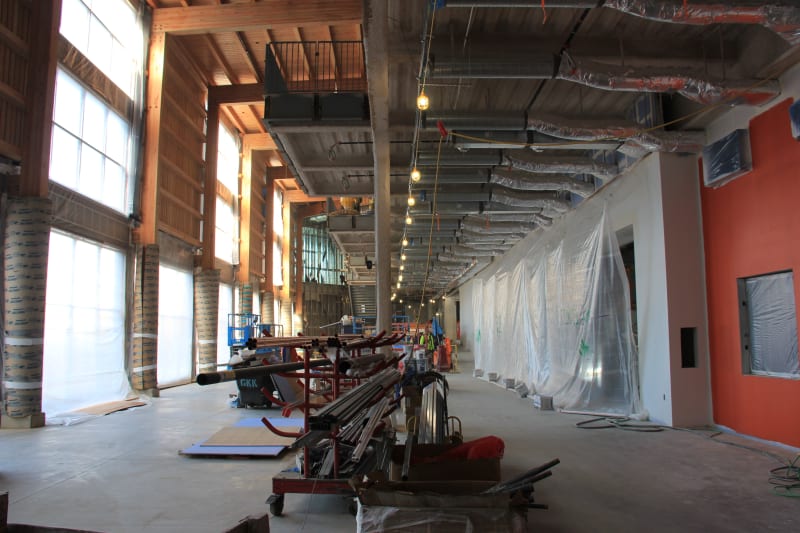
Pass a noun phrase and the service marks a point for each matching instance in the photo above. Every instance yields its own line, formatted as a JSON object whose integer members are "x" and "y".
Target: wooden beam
{"x": 234, "y": 118}
{"x": 250, "y": 168}
{"x": 249, "y": 57}
{"x": 250, "y": 93}
{"x": 220, "y": 58}
{"x": 334, "y": 59}
{"x": 299, "y": 197}
{"x": 210, "y": 186}
{"x": 148, "y": 209}
{"x": 267, "y": 14}
{"x": 306, "y": 59}
{"x": 259, "y": 118}
{"x": 260, "y": 141}
{"x": 42, "y": 61}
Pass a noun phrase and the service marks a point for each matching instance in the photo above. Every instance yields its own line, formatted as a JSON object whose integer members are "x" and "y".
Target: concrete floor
{"x": 121, "y": 473}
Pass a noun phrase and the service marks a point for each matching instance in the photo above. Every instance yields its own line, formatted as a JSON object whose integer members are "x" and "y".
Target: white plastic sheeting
{"x": 175, "y": 325}
{"x": 84, "y": 334}
{"x": 773, "y": 324}
{"x": 556, "y": 316}
{"x": 225, "y": 308}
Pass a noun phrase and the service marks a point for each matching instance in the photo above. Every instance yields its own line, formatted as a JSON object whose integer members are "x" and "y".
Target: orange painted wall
{"x": 751, "y": 226}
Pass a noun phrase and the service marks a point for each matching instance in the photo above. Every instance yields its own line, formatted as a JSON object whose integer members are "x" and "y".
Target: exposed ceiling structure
{"x": 533, "y": 105}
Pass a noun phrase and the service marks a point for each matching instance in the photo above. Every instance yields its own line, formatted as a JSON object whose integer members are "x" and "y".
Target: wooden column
{"x": 250, "y": 166}
{"x": 210, "y": 186}
{"x": 42, "y": 61}
{"x": 146, "y": 232}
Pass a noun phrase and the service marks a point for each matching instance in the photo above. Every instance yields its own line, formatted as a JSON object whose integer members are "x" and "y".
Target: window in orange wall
{"x": 768, "y": 325}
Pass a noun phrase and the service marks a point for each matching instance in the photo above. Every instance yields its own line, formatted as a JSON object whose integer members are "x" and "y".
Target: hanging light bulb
{"x": 415, "y": 175}
{"x": 411, "y": 201}
{"x": 422, "y": 101}
{"x": 398, "y": 284}
{"x": 409, "y": 220}
{"x": 405, "y": 243}
{"x": 402, "y": 267}
{"x": 400, "y": 278}
{"x": 403, "y": 257}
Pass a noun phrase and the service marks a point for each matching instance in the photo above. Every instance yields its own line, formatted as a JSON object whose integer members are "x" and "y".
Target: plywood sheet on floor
{"x": 247, "y": 438}
{"x": 111, "y": 407}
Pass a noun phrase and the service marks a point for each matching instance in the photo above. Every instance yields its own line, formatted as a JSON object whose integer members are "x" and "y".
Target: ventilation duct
{"x": 590, "y": 131}
{"x": 782, "y": 18}
{"x": 480, "y": 252}
{"x": 495, "y": 228}
{"x": 544, "y": 200}
{"x": 489, "y": 238}
{"x": 491, "y": 218}
{"x": 546, "y": 182}
{"x": 454, "y": 158}
{"x": 450, "y": 258}
{"x": 621, "y": 78}
{"x": 456, "y": 175}
{"x": 554, "y": 164}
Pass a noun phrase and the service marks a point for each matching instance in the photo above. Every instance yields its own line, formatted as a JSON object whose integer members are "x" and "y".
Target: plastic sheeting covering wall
{"x": 225, "y": 308}
{"x": 84, "y": 337}
{"x": 556, "y": 315}
{"x": 175, "y": 325}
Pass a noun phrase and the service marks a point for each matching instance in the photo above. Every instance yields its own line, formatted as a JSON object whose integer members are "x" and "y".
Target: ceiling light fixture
{"x": 422, "y": 101}
{"x": 415, "y": 175}
{"x": 411, "y": 201}
{"x": 409, "y": 220}
{"x": 402, "y": 267}
{"x": 405, "y": 243}
{"x": 400, "y": 277}
{"x": 403, "y": 257}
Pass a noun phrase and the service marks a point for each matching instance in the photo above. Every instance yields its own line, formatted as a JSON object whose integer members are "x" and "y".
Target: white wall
{"x": 635, "y": 199}
{"x": 686, "y": 288}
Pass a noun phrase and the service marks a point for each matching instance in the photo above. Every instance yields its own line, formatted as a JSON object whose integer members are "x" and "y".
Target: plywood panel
{"x": 14, "y": 38}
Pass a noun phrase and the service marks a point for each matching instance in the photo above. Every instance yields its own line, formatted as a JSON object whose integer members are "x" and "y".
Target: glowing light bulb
{"x": 400, "y": 277}
{"x": 405, "y": 243}
{"x": 422, "y": 101}
{"x": 402, "y": 267}
{"x": 409, "y": 220}
{"x": 411, "y": 201}
{"x": 415, "y": 175}
{"x": 403, "y": 257}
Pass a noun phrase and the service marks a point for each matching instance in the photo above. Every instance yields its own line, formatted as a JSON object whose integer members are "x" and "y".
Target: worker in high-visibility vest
{"x": 428, "y": 341}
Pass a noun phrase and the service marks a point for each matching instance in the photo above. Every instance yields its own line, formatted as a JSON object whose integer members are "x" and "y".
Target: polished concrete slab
{"x": 122, "y": 472}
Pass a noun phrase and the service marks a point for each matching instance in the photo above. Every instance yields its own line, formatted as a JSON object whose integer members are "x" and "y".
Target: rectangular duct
{"x": 727, "y": 159}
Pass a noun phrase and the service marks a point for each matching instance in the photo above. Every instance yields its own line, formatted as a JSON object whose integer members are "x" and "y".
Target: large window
{"x": 225, "y": 308}
{"x": 84, "y": 334}
{"x": 322, "y": 260}
{"x": 226, "y": 240}
{"x": 109, "y": 34}
{"x": 175, "y": 323}
{"x": 768, "y": 324}
{"x": 277, "y": 240}
{"x": 90, "y": 148}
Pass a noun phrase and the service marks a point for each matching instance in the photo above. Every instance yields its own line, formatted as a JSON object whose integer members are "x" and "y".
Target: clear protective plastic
{"x": 556, "y": 316}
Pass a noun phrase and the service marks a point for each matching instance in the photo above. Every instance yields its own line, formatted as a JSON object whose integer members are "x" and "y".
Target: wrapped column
{"x": 286, "y": 317}
{"x": 206, "y": 310}
{"x": 246, "y": 301}
{"x": 145, "y": 320}
{"x": 267, "y": 307}
{"x": 27, "y": 241}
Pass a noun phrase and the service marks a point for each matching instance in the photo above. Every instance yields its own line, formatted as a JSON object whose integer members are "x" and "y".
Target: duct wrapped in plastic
{"x": 545, "y": 182}
{"x": 783, "y": 19}
{"x": 622, "y": 78}
{"x": 561, "y": 164}
{"x": 545, "y": 200}
{"x": 495, "y": 228}
{"x": 557, "y": 317}
{"x": 651, "y": 141}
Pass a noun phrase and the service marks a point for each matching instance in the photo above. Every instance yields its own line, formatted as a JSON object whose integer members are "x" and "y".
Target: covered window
{"x": 768, "y": 325}
{"x": 90, "y": 148}
{"x": 175, "y": 325}
{"x": 225, "y": 308}
{"x": 84, "y": 335}
{"x": 109, "y": 34}
{"x": 226, "y": 240}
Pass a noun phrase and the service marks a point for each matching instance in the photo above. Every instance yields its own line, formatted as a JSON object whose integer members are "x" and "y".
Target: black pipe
{"x": 210, "y": 378}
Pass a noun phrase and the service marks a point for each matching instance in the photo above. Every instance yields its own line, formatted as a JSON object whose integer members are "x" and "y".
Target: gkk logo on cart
{"x": 248, "y": 383}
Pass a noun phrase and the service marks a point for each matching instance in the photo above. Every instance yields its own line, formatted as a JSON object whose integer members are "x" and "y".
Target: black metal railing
{"x": 315, "y": 67}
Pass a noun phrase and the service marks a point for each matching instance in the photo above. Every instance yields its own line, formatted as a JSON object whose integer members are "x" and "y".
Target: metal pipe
{"x": 209, "y": 378}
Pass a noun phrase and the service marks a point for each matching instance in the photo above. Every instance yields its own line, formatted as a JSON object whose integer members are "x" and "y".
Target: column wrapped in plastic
{"x": 206, "y": 305}
{"x": 246, "y": 300}
{"x": 145, "y": 320}
{"x": 27, "y": 237}
{"x": 268, "y": 307}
